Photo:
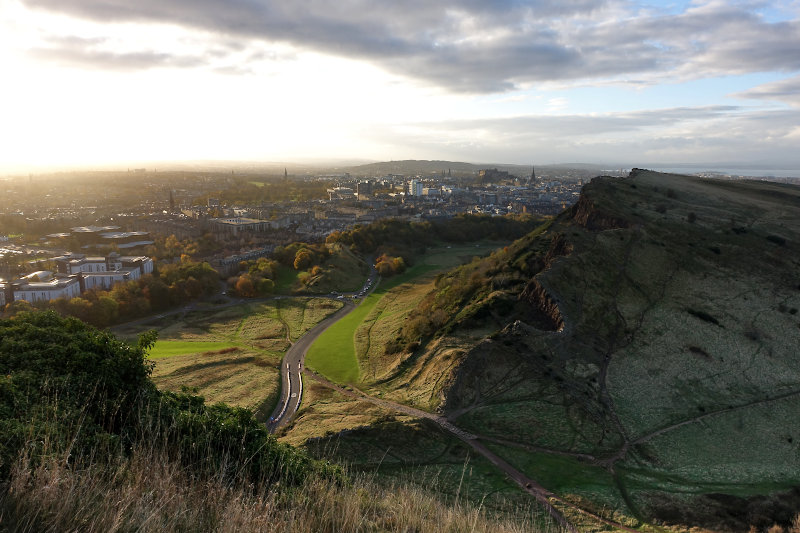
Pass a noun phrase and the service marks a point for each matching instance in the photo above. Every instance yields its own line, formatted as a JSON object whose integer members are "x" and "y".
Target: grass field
{"x": 231, "y": 354}
{"x": 335, "y": 354}
{"x": 164, "y": 349}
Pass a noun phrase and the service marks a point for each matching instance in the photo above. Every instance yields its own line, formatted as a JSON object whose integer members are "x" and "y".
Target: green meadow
{"x": 336, "y": 354}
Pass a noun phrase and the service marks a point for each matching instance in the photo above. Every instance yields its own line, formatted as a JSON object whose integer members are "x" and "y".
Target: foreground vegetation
{"x": 149, "y": 491}
{"x": 90, "y": 444}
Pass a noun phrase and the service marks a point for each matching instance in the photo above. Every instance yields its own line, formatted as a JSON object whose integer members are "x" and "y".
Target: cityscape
{"x": 400, "y": 267}
{"x": 240, "y": 231}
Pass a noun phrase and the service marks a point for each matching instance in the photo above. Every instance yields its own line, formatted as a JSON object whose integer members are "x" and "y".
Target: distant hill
{"x": 423, "y": 168}
{"x": 639, "y": 353}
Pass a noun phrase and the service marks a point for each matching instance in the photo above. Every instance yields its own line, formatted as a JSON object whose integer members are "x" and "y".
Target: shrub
{"x": 66, "y": 387}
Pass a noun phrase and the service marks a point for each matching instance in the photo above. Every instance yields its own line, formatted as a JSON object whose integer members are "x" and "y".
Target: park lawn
{"x": 333, "y": 354}
{"x": 166, "y": 348}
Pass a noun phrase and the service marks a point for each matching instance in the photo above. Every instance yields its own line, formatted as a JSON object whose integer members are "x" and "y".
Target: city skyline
{"x": 99, "y": 82}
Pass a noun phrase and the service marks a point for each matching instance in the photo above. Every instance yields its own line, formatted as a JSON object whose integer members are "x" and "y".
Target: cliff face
{"x": 544, "y": 312}
{"x": 587, "y": 214}
{"x": 547, "y": 314}
{"x": 643, "y": 386}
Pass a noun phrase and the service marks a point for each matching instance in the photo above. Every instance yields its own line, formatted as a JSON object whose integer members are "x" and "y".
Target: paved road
{"x": 292, "y": 366}
{"x": 293, "y": 361}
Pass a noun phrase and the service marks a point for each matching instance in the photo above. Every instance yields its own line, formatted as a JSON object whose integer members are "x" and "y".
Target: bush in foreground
{"x": 68, "y": 388}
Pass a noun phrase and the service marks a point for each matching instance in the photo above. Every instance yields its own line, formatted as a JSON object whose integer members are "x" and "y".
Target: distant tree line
{"x": 170, "y": 247}
{"x": 257, "y": 278}
{"x": 392, "y": 239}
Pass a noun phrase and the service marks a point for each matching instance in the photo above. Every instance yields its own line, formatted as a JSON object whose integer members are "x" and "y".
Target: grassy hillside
{"x": 637, "y": 354}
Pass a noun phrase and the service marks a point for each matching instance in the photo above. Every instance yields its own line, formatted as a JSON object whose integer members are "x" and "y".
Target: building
{"x": 58, "y": 286}
{"x": 75, "y": 263}
{"x": 126, "y": 239}
{"x": 236, "y": 225}
{"x": 341, "y": 193}
{"x": 415, "y": 188}
{"x": 106, "y": 280}
{"x": 143, "y": 264}
{"x": 91, "y": 235}
{"x": 492, "y": 175}
{"x": 76, "y": 274}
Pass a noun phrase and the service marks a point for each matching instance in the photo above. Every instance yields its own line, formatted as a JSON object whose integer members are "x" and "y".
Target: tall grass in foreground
{"x": 150, "y": 491}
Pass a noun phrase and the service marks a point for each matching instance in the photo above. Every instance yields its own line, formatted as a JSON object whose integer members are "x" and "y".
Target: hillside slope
{"x": 639, "y": 353}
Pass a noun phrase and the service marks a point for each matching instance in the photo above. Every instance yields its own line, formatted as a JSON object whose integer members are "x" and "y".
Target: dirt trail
{"x": 542, "y": 495}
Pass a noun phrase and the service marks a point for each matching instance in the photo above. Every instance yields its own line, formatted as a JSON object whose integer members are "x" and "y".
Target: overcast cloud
{"x": 685, "y": 135}
{"x": 516, "y": 81}
{"x": 473, "y": 45}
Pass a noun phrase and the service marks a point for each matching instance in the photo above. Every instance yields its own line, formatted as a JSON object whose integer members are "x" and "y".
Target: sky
{"x": 624, "y": 83}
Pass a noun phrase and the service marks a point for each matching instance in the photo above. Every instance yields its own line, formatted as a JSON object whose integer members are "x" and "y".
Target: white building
{"x": 128, "y": 262}
{"x": 415, "y": 188}
{"x": 76, "y": 274}
{"x": 58, "y": 287}
{"x": 106, "y": 280}
{"x": 75, "y": 263}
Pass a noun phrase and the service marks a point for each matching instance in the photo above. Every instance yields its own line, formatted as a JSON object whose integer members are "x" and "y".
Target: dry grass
{"x": 326, "y": 412}
{"x": 244, "y": 378}
{"x": 148, "y": 492}
{"x": 246, "y": 374}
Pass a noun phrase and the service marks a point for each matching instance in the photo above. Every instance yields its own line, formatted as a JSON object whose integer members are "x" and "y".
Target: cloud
{"x": 75, "y": 51}
{"x": 476, "y": 46}
{"x": 787, "y": 91}
{"x": 677, "y": 135}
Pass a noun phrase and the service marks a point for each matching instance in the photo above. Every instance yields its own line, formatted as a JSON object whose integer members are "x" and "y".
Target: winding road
{"x": 294, "y": 360}
{"x": 292, "y": 367}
